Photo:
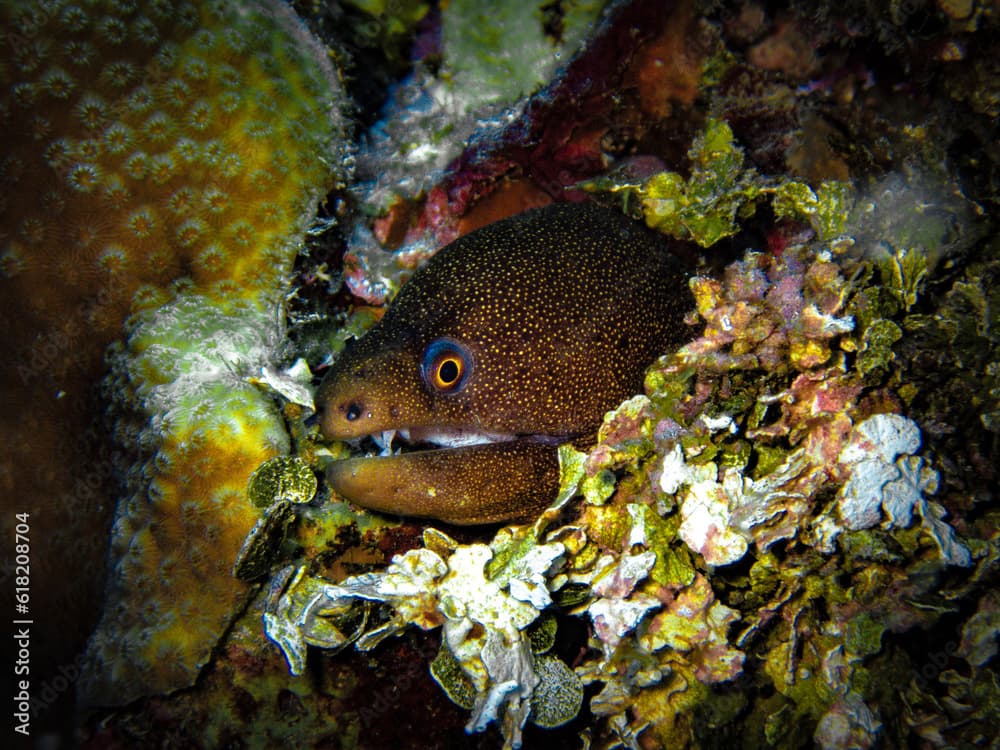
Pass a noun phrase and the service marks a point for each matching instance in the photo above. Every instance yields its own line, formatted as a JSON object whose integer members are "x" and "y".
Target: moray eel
{"x": 513, "y": 339}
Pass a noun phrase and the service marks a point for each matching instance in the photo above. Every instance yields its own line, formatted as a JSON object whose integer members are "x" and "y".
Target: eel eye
{"x": 446, "y": 366}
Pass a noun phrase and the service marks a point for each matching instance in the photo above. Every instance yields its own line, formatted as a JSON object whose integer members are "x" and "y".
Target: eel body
{"x": 513, "y": 339}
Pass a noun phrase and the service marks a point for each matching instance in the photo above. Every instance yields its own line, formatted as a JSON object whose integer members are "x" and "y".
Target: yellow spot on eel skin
{"x": 512, "y": 339}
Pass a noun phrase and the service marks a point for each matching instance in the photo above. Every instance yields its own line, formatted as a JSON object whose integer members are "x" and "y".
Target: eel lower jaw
{"x": 467, "y": 478}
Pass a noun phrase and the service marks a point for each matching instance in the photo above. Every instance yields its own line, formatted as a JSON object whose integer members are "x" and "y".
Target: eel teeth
{"x": 384, "y": 441}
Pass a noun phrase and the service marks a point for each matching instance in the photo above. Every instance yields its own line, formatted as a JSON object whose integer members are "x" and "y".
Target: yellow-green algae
{"x": 720, "y": 190}
{"x": 282, "y": 478}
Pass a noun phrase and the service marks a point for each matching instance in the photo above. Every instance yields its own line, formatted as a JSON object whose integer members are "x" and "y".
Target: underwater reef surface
{"x": 789, "y": 539}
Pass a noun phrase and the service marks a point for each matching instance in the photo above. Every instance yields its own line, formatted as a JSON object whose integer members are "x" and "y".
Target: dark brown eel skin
{"x": 513, "y": 339}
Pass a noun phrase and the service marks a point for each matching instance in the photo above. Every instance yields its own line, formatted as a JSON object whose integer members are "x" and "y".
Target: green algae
{"x": 287, "y": 478}
{"x": 674, "y": 566}
{"x": 903, "y": 274}
{"x": 555, "y": 701}
{"x": 542, "y": 633}
{"x": 260, "y": 548}
{"x": 704, "y": 207}
{"x": 571, "y": 472}
{"x": 395, "y": 18}
{"x": 826, "y": 209}
{"x": 876, "y": 354}
{"x": 447, "y": 672}
{"x": 720, "y": 191}
{"x": 559, "y": 695}
{"x": 863, "y": 635}
{"x": 510, "y": 548}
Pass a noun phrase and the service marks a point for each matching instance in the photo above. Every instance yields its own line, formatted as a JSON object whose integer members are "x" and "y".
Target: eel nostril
{"x": 353, "y": 412}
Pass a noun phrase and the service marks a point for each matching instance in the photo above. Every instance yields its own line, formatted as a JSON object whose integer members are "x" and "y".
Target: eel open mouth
{"x": 463, "y": 477}
{"x": 416, "y": 439}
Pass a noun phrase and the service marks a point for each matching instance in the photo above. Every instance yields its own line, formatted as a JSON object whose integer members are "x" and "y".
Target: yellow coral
{"x": 162, "y": 155}
{"x": 145, "y": 144}
{"x": 176, "y": 537}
